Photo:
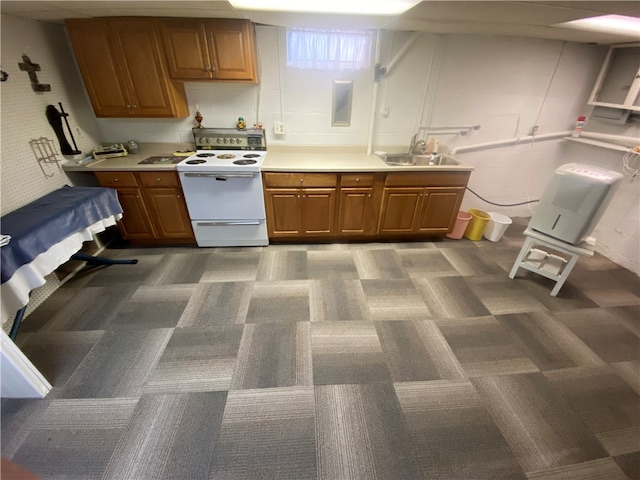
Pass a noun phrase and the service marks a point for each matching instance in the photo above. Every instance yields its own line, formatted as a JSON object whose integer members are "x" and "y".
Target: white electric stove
{"x": 222, "y": 186}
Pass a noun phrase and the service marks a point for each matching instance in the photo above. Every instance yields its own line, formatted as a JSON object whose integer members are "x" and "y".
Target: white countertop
{"x": 279, "y": 159}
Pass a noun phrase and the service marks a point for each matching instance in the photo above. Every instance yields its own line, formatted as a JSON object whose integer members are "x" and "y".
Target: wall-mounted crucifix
{"x": 32, "y": 68}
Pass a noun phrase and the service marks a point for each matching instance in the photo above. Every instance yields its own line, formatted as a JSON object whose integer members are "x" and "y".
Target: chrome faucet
{"x": 415, "y": 145}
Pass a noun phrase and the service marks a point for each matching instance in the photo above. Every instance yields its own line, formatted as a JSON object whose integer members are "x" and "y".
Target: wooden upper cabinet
{"x": 215, "y": 49}
{"x": 122, "y": 64}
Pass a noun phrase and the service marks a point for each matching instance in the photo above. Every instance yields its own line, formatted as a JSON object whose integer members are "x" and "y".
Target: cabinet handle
{"x": 135, "y": 106}
{"x": 301, "y": 180}
{"x": 369, "y": 195}
{"x": 357, "y": 180}
{"x": 115, "y": 179}
{"x": 129, "y": 105}
{"x": 179, "y": 196}
{"x": 157, "y": 179}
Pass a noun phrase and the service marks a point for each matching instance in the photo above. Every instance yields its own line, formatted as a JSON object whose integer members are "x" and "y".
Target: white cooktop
{"x": 223, "y": 161}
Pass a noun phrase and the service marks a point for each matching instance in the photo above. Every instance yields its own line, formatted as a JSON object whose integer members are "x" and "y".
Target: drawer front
{"x": 300, "y": 179}
{"x": 159, "y": 179}
{"x": 117, "y": 179}
{"x": 355, "y": 180}
{"x": 427, "y": 179}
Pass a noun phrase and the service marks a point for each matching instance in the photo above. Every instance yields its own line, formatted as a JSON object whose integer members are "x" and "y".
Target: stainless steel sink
{"x": 406, "y": 159}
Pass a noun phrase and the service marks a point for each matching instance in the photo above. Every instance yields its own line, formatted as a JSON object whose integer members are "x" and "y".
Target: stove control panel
{"x": 229, "y": 139}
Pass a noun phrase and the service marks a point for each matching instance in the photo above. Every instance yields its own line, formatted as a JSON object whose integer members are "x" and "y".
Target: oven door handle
{"x": 221, "y": 176}
{"x": 218, "y": 224}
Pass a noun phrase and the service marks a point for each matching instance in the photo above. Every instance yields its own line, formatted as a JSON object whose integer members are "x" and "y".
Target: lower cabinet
{"x": 300, "y": 205}
{"x": 362, "y": 205}
{"x": 153, "y": 205}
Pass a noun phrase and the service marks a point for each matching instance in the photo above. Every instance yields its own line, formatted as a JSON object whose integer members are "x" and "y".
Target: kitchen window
{"x": 313, "y": 49}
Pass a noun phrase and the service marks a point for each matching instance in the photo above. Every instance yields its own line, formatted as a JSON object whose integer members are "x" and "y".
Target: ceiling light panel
{"x": 365, "y": 7}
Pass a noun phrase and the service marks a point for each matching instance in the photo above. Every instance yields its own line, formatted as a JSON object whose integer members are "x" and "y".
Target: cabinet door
{"x": 618, "y": 85}
{"x": 439, "y": 209}
{"x": 101, "y": 71}
{"x": 185, "y": 44}
{"x": 283, "y": 212}
{"x": 318, "y": 211}
{"x": 136, "y": 222}
{"x": 143, "y": 69}
{"x": 399, "y": 209}
{"x": 231, "y": 46}
{"x": 169, "y": 213}
{"x": 354, "y": 217}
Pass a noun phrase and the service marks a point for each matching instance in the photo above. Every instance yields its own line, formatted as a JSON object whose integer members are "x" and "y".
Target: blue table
{"x": 47, "y": 233}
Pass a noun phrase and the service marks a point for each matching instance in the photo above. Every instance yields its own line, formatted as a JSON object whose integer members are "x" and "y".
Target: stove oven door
{"x": 223, "y": 195}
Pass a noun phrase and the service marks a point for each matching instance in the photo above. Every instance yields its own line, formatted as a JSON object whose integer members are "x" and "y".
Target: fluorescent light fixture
{"x": 362, "y": 7}
{"x": 606, "y": 24}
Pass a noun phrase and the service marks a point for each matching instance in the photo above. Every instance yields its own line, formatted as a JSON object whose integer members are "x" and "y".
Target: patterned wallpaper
{"x": 22, "y": 116}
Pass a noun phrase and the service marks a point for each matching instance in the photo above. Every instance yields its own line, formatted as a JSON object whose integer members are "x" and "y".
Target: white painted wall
{"x": 22, "y": 113}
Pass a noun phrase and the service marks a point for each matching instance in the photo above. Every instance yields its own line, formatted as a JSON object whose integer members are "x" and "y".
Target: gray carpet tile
{"x": 91, "y": 308}
{"x": 18, "y": 416}
{"x": 485, "y": 347}
{"x": 500, "y": 294}
{"x": 331, "y": 264}
{"x": 603, "y": 468}
{"x": 396, "y": 299}
{"x": 279, "y": 301}
{"x": 118, "y": 365}
{"x": 219, "y": 303}
{"x": 283, "y": 264}
{"x": 273, "y": 355}
{"x": 336, "y": 300}
{"x": 540, "y": 427}
{"x": 470, "y": 260}
{"x": 630, "y": 373}
{"x": 361, "y": 433}
{"x": 629, "y": 463}
{"x": 428, "y": 262}
{"x": 379, "y": 264}
{"x": 232, "y": 266}
{"x": 452, "y": 432}
{"x": 450, "y": 297}
{"x": 416, "y": 350}
{"x": 347, "y": 352}
{"x": 605, "y": 403}
{"x": 153, "y": 307}
{"x": 418, "y": 360}
{"x": 178, "y": 268}
{"x": 629, "y": 316}
{"x": 57, "y": 355}
{"x": 267, "y": 434}
{"x": 603, "y": 333}
{"x": 169, "y": 437}
{"x": 124, "y": 274}
{"x": 75, "y": 438}
{"x": 547, "y": 341}
{"x": 197, "y": 359}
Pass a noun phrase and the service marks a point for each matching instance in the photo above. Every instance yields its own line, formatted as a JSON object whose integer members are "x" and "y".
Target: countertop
{"x": 279, "y": 159}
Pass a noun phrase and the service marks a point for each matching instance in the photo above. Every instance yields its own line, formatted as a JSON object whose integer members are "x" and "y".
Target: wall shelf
{"x": 596, "y": 143}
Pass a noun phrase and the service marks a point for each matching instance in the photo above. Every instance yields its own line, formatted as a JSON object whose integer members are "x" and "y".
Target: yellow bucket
{"x": 479, "y": 221}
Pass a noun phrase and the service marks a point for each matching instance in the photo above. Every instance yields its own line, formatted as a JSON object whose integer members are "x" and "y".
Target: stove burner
{"x": 226, "y": 156}
{"x": 195, "y": 161}
{"x": 251, "y": 155}
{"x": 245, "y": 162}
{"x": 205, "y": 155}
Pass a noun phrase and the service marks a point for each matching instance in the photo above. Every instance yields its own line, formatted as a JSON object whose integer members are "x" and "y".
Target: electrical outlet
{"x": 278, "y": 128}
{"x": 78, "y": 132}
{"x": 534, "y": 130}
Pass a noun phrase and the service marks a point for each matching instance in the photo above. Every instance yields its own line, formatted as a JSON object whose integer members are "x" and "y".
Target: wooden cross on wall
{"x": 32, "y": 68}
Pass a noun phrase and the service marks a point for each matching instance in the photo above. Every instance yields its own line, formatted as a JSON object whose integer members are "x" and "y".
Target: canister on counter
{"x": 132, "y": 146}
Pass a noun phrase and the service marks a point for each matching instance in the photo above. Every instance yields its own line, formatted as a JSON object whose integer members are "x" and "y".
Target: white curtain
{"x": 328, "y": 49}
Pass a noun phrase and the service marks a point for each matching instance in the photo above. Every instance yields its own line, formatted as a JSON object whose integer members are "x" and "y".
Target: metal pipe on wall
{"x": 510, "y": 141}
{"x": 374, "y": 95}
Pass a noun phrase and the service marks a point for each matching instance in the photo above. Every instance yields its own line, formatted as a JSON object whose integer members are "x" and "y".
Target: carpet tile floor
{"x": 386, "y": 361}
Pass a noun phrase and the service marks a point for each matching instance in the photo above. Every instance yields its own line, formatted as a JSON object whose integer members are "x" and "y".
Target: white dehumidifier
{"x": 574, "y": 201}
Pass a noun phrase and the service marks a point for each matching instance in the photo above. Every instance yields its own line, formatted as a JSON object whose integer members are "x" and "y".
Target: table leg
{"x": 565, "y": 274}
{"x": 526, "y": 246}
{"x": 91, "y": 260}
